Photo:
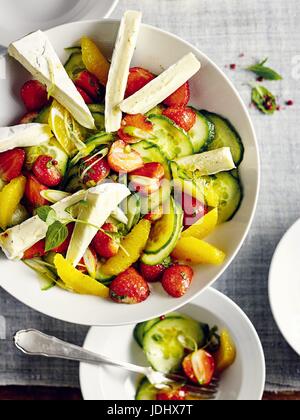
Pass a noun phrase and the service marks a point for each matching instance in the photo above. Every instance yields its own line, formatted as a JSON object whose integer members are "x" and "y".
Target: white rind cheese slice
{"x": 24, "y": 135}
{"x": 36, "y": 53}
{"x": 162, "y": 86}
{"x": 119, "y": 70}
{"x": 208, "y": 163}
{"x": 15, "y": 241}
{"x": 99, "y": 208}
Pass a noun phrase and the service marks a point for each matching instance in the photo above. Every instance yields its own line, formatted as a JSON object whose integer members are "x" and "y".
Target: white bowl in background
{"x": 211, "y": 90}
{"x": 284, "y": 286}
{"x": 244, "y": 380}
{"x": 19, "y": 17}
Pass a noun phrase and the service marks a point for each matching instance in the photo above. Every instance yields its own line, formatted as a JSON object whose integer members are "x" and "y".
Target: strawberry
{"x": 63, "y": 248}
{"x": 181, "y": 97}
{"x": 183, "y": 117}
{"x": 137, "y": 79}
{"x": 123, "y": 159}
{"x": 87, "y": 99}
{"x": 172, "y": 394}
{"x": 29, "y": 118}
{"x": 36, "y": 251}
{"x": 11, "y": 164}
{"x": 143, "y": 185}
{"x": 34, "y": 95}
{"x": 199, "y": 367}
{"x": 154, "y": 273}
{"x": 33, "y": 192}
{"x": 104, "y": 245}
{"x": 150, "y": 170}
{"x": 155, "y": 215}
{"x": 89, "y": 83}
{"x": 193, "y": 209}
{"x": 94, "y": 170}
{"x": 46, "y": 171}
{"x": 138, "y": 121}
{"x": 177, "y": 280}
{"x": 130, "y": 288}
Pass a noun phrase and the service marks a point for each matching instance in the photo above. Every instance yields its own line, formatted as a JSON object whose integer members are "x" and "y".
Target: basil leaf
{"x": 264, "y": 100}
{"x": 265, "y": 72}
{"x": 47, "y": 214}
{"x": 56, "y": 235}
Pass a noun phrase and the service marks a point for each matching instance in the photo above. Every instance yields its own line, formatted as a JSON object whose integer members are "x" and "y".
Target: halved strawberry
{"x": 138, "y": 121}
{"x": 193, "y": 209}
{"x": 172, "y": 394}
{"x": 183, "y": 117}
{"x": 87, "y": 99}
{"x": 46, "y": 171}
{"x": 11, "y": 164}
{"x": 144, "y": 185}
{"x": 29, "y": 117}
{"x": 33, "y": 192}
{"x": 199, "y": 367}
{"x": 123, "y": 159}
{"x": 155, "y": 215}
{"x": 36, "y": 251}
{"x": 154, "y": 273}
{"x": 181, "y": 97}
{"x": 150, "y": 170}
{"x": 89, "y": 83}
{"x": 104, "y": 245}
{"x": 94, "y": 170}
{"x": 129, "y": 287}
{"x": 34, "y": 95}
{"x": 137, "y": 79}
{"x": 177, "y": 280}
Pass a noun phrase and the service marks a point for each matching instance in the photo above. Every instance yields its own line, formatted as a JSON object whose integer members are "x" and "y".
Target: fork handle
{"x": 35, "y": 343}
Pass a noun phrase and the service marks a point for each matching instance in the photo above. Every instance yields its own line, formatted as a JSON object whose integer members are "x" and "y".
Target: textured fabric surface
{"x": 224, "y": 29}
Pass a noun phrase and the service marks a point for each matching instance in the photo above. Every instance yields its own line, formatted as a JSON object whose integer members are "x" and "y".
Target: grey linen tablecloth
{"x": 224, "y": 29}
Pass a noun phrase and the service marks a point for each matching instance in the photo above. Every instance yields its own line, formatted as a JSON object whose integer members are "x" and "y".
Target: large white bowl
{"x": 244, "y": 380}
{"x": 210, "y": 90}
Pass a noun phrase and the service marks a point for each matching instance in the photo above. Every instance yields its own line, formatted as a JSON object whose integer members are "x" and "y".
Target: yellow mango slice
{"x": 94, "y": 60}
{"x": 134, "y": 244}
{"x": 10, "y": 198}
{"x": 77, "y": 281}
{"x": 204, "y": 227}
{"x": 195, "y": 251}
{"x": 227, "y": 352}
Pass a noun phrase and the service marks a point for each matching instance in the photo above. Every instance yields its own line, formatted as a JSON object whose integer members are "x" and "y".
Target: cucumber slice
{"x": 170, "y": 139}
{"x": 230, "y": 195}
{"x": 133, "y": 211}
{"x": 94, "y": 142}
{"x": 99, "y": 121}
{"x": 146, "y": 391}
{"x": 226, "y": 136}
{"x": 43, "y": 116}
{"x": 164, "y": 236}
{"x": 151, "y": 153}
{"x": 202, "y": 134}
{"x": 74, "y": 65}
{"x": 153, "y": 201}
{"x": 51, "y": 148}
{"x": 158, "y": 110}
{"x": 164, "y": 350}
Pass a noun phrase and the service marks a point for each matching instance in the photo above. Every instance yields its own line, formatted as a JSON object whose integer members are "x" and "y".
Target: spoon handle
{"x": 35, "y": 343}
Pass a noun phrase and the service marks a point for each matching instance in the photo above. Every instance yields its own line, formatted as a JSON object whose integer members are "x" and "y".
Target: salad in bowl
{"x": 113, "y": 180}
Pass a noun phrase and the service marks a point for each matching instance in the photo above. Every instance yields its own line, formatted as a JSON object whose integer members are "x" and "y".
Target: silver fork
{"x": 35, "y": 343}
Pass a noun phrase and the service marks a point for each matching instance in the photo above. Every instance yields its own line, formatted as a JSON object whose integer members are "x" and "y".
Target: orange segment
{"x": 10, "y": 198}
{"x": 76, "y": 281}
{"x": 134, "y": 244}
{"x": 204, "y": 227}
{"x": 197, "y": 252}
{"x": 94, "y": 60}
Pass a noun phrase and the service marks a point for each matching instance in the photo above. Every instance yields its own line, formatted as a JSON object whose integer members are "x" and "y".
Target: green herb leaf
{"x": 265, "y": 72}
{"x": 264, "y": 100}
{"x": 56, "y": 235}
{"x": 47, "y": 214}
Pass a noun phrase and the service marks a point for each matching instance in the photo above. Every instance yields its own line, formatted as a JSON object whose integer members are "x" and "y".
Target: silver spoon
{"x": 35, "y": 343}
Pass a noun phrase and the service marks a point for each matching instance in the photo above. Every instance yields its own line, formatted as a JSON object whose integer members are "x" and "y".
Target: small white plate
{"x": 19, "y": 17}
{"x": 284, "y": 286}
{"x": 245, "y": 380}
